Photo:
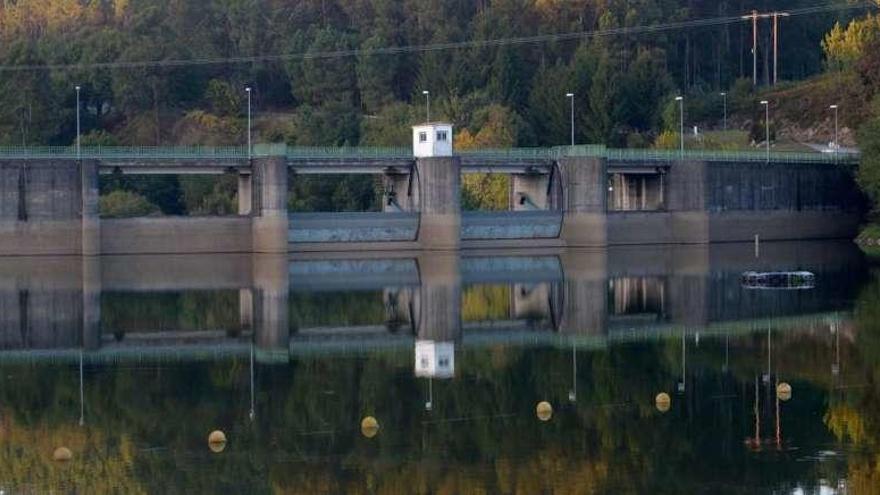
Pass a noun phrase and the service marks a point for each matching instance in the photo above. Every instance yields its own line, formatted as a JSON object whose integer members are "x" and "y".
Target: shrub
{"x": 125, "y": 204}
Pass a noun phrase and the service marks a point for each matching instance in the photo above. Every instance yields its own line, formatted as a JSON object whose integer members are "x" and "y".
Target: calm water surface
{"x": 130, "y": 363}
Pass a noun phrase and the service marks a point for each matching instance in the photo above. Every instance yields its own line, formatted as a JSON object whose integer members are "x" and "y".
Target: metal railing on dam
{"x": 152, "y": 153}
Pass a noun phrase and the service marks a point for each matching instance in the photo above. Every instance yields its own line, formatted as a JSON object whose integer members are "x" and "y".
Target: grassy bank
{"x": 869, "y": 239}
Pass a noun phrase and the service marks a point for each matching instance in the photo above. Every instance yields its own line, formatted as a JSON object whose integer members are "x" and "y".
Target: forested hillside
{"x": 508, "y": 94}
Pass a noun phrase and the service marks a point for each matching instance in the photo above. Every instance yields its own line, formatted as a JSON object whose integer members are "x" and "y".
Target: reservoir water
{"x": 627, "y": 370}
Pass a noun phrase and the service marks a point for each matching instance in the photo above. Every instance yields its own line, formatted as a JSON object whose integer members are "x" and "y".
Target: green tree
{"x": 124, "y": 204}
{"x": 377, "y": 74}
{"x": 868, "y": 175}
{"x": 549, "y": 108}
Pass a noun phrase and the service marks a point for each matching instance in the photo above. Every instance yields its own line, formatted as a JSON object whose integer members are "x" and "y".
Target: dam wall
{"x": 49, "y": 206}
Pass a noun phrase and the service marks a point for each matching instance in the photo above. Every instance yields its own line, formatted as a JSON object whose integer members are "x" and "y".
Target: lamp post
{"x": 680, "y": 100}
{"x": 767, "y": 125}
{"x": 724, "y": 100}
{"x": 427, "y": 105}
{"x": 836, "y": 143}
{"x": 570, "y": 96}
{"x": 78, "y": 151}
{"x": 250, "y": 148}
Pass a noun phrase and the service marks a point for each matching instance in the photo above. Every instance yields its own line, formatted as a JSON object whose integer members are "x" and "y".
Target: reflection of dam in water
{"x": 190, "y": 308}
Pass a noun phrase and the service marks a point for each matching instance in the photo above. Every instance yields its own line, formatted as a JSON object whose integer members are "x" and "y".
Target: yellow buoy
{"x": 783, "y": 391}
{"x": 217, "y": 441}
{"x": 62, "y": 454}
{"x": 544, "y": 411}
{"x": 663, "y": 402}
{"x": 369, "y": 427}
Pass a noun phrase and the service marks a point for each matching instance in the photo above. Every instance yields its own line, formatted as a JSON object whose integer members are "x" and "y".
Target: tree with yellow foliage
{"x": 498, "y": 127}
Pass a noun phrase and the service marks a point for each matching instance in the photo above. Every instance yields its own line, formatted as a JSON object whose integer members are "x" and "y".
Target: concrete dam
{"x": 574, "y": 197}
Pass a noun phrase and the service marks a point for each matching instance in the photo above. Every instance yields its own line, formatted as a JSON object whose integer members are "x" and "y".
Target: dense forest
{"x": 334, "y": 72}
{"x": 509, "y": 94}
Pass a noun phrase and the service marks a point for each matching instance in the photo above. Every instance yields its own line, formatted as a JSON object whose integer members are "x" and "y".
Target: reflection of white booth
{"x": 432, "y": 139}
{"x": 435, "y": 359}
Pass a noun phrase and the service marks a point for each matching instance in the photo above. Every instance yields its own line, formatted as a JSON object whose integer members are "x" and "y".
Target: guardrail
{"x": 348, "y": 153}
{"x": 617, "y": 154}
{"x": 125, "y": 152}
{"x": 400, "y": 153}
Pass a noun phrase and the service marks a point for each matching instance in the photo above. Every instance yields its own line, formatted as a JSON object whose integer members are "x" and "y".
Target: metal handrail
{"x": 125, "y": 152}
{"x": 348, "y": 152}
{"x": 388, "y": 153}
{"x": 622, "y": 154}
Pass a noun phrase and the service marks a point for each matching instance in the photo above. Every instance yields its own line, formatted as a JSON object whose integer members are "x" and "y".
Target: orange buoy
{"x": 62, "y": 454}
{"x": 544, "y": 411}
{"x": 217, "y": 441}
{"x": 369, "y": 427}
{"x": 663, "y": 402}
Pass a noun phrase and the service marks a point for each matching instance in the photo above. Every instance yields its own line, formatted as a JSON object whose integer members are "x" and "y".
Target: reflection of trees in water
{"x": 337, "y": 308}
{"x": 123, "y": 312}
{"x": 305, "y": 436}
{"x": 853, "y": 415}
{"x": 485, "y": 302}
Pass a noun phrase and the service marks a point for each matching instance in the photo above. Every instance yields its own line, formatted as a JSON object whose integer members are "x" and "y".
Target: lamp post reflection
{"x": 252, "y": 413}
{"x": 681, "y": 384}
{"x": 572, "y": 394}
{"x": 82, "y": 402}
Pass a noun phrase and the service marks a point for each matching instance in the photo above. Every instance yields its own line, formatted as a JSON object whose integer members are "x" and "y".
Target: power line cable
{"x": 395, "y": 50}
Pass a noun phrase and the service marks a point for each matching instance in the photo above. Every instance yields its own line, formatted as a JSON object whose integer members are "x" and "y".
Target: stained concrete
{"x": 91, "y": 220}
{"x": 583, "y": 201}
{"x": 529, "y": 192}
{"x": 270, "y": 223}
{"x": 440, "y": 294}
{"x": 40, "y": 206}
{"x": 178, "y": 235}
{"x": 439, "y": 180}
{"x": 245, "y": 194}
{"x": 401, "y": 193}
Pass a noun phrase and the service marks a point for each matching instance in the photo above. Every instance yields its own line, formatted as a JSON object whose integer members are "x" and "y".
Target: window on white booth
{"x": 441, "y": 135}
{"x": 423, "y": 137}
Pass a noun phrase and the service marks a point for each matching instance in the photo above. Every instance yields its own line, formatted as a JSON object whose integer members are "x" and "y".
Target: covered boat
{"x": 778, "y": 280}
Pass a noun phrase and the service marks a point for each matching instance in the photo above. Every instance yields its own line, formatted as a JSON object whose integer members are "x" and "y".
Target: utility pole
{"x": 754, "y": 17}
{"x": 776, "y": 16}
